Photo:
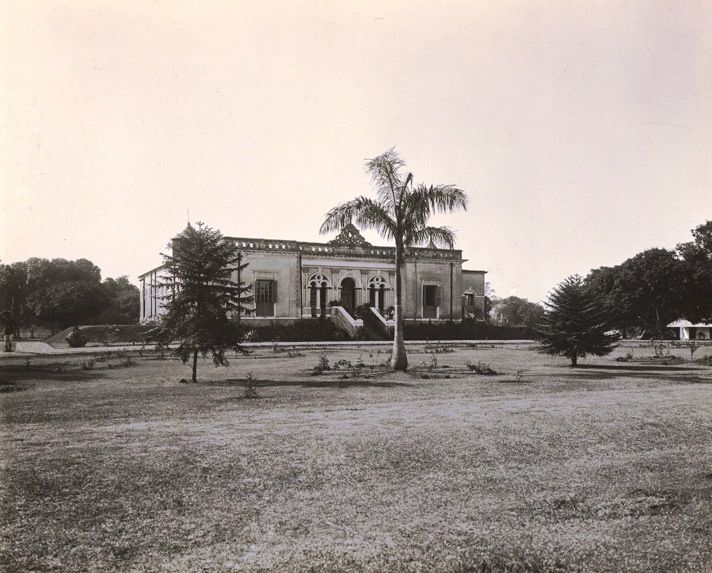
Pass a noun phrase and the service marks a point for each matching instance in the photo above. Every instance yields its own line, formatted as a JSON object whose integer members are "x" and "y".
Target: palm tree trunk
{"x": 195, "y": 366}
{"x": 399, "y": 359}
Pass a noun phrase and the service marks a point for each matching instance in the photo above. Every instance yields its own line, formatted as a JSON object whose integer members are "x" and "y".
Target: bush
{"x": 98, "y": 334}
{"x": 438, "y": 348}
{"x": 250, "y": 386}
{"x": 468, "y": 330}
{"x": 317, "y": 329}
{"x": 481, "y": 368}
{"x": 323, "y": 366}
{"x": 305, "y": 330}
{"x": 627, "y": 358}
{"x": 363, "y": 312}
{"x": 76, "y": 339}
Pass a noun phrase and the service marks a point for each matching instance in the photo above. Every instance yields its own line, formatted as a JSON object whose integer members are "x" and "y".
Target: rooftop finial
{"x": 349, "y": 237}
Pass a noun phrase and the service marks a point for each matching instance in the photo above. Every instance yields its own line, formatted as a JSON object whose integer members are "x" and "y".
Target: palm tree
{"x": 400, "y": 212}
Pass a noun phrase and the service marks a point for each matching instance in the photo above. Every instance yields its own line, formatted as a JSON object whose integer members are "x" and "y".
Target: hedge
{"x": 469, "y": 330}
{"x": 320, "y": 330}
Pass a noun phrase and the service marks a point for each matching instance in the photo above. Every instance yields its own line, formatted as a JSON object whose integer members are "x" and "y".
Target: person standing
{"x": 8, "y": 330}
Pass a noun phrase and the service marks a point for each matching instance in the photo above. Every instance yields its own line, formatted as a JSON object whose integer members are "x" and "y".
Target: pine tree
{"x": 203, "y": 303}
{"x": 574, "y": 324}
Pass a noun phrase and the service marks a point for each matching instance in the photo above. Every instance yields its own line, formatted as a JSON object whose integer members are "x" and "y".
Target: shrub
{"x": 467, "y": 330}
{"x": 658, "y": 348}
{"x": 481, "y": 368}
{"x": 438, "y": 348}
{"x": 305, "y": 330}
{"x": 323, "y": 366}
{"x": 250, "y": 384}
{"x": 627, "y": 358}
{"x": 519, "y": 376}
{"x": 76, "y": 339}
{"x": 363, "y": 312}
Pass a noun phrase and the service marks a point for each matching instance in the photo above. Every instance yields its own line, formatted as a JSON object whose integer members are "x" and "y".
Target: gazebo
{"x": 689, "y": 331}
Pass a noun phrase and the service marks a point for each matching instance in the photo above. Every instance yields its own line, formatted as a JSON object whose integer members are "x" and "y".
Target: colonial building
{"x": 294, "y": 279}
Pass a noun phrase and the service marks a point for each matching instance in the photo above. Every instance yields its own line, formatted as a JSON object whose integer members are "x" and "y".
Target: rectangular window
{"x": 265, "y": 297}
{"x": 430, "y": 301}
{"x": 470, "y": 299}
{"x": 430, "y": 294}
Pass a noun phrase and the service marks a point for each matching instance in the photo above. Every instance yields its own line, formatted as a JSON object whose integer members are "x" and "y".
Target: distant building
{"x": 294, "y": 279}
{"x": 689, "y": 331}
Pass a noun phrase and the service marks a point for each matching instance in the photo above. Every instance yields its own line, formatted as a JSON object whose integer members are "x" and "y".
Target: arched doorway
{"x": 348, "y": 294}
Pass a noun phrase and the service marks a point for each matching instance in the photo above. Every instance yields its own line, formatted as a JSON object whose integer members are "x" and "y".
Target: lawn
{"x": 118, "y": 466}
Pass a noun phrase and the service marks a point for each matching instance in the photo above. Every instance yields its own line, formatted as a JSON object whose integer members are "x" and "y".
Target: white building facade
{"x": 292, "y": 280}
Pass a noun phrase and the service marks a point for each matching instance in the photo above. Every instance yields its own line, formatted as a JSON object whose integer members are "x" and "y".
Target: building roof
{"x": 348, "y": 246}
{"x": 681, "y": 322}
{"x": 348, "y": 243}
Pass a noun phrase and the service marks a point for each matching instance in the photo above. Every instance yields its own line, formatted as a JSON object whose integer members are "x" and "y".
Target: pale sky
{"x": 582, "y": 131}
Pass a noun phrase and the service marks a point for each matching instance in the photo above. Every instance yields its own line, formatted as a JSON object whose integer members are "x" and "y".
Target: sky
{"x": 581, "y": 131}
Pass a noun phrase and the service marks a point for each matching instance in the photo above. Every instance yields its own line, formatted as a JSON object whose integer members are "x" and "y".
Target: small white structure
{"x": 690, "y": 331}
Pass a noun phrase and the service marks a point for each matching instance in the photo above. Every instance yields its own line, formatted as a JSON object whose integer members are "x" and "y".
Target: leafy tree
{"x": 516, "y": 311}
{"x": 58, "y": 293}
{"x": 61, "y": 293}
{"x": 490, "y": 300}
{"x": 696, "y": 278}
{"x": 67, "y": 303}
{"x": 123, "y": 302}
{"x": 611, "y": 293}
{"x": 657, "y": 286}
{"x": 574, "y": 324}
{"x": 651, "y": 281}
{"x": 644, "y": 291}
{"x": 201, "y": 297}
{"x": 400, "y": 212}
{"x": 702, "y": 235}
{"x": 13, "y": 291}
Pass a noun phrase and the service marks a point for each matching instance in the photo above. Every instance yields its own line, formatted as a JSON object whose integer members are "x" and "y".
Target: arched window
{"x": 376, "y": 292}
{"x": 318, "y": 286}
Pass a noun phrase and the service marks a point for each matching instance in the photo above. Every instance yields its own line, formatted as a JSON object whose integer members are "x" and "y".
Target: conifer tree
{"x": 574, "y": 324}
{"x": 203, "y": 303}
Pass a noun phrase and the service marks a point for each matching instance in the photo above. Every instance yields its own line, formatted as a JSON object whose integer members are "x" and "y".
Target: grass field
{"x": 607, "y": 467}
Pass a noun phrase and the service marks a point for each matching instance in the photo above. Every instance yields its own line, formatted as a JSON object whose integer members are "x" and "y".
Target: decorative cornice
{"x": 349, "y": 237}
{"x": 359, "y": 252}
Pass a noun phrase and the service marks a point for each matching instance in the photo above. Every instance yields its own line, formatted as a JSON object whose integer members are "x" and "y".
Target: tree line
{"x": 645, "y": 293}
{"x": 639, "y": 296}
{"x": 58, "y": 293}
